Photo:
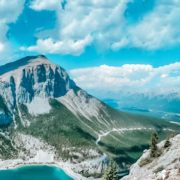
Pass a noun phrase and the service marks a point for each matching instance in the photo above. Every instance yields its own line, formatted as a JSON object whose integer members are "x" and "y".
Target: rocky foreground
{"x": 164, "y": 167}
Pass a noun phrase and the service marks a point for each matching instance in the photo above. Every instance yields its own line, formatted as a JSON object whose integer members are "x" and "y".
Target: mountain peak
{"x": 42, "y": 56}
{"x": 26, "y": 61}
{"x": 40, "y": 59}
{"x": 33, "y": 59}
{"x": 34, "y": 76}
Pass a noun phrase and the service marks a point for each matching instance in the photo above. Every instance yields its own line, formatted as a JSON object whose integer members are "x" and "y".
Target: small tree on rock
{"x": 167, "y": 142}
{"x": 154, "y": 148}
{"x": 111, "y": 172}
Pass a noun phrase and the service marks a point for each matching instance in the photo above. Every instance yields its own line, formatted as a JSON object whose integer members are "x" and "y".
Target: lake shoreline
{"x": 35, "y": 172}
{"x": 18, "y": 163}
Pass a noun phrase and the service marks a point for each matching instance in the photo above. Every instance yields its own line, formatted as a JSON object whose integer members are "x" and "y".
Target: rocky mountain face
{"x": 164, "y": 167}
{"x": 36, "y": 78}
{"x": 40, "y": 106}
{"x": 32, "y": 81}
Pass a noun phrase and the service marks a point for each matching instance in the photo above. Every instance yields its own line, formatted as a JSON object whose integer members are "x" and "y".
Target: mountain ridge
{"x": 43, "y": 102}
{"x": 21, "y": 62}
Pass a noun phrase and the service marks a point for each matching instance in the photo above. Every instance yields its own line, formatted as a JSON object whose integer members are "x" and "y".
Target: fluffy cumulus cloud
{"x": 105, "y": 24}
{"x": 3, "y": 43}
{"x": 106, "y": 81}
{"x": 160, "y": 28}
{"x": 63, "y": 47}
{"x": 80, "y": 23}
{"x": 45, "y": 4}
{"x": 9, "y": 12}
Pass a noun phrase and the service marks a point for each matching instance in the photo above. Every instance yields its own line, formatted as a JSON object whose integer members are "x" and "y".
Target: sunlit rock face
{"x": 33, "y": 81}
{"x": 31, "y": 78}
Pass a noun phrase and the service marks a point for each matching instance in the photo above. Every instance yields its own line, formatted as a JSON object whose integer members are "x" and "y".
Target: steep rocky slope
{"x": 164, "y": 167}
{"x": 39, "y": 100}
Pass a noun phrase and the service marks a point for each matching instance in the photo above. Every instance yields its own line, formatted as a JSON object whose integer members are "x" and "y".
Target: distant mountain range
{"x": 39, "y": 101}
{"x": 164, "y": 107}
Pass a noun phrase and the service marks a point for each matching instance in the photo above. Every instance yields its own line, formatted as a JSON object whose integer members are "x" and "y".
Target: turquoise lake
{"x": 34, "y": 173}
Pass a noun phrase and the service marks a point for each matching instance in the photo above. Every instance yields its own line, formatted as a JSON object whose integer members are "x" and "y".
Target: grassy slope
{"x": 62, "y": 129}
{"x": 127, "y": 147}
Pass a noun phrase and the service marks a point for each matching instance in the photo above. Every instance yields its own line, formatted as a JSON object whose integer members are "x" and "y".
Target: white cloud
{"x": 160, "y": 28}
{"x": 9, "y": 12}
{"x": 62, "y": 47}
{"x": 100, "y": 20}
{"x": 105, "y": 22}
{"x": 108, "y": 81}
{"x": 1, "y": 47}
{"x": 39, "y": 5}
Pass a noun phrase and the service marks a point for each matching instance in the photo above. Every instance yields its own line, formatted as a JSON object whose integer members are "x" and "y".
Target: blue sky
{"x": 109, "y": 47}
{"x": 78, "y": 34}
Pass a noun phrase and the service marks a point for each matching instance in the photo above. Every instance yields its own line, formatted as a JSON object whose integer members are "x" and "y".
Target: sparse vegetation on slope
{"x": 165, "y": 166}
{"x": 154, "y": 148}
{"x": 61, "y": 129}
{"x": 112, "y": 172}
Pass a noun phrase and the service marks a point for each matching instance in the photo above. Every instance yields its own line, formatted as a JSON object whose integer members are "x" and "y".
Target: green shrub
{"x": 154, "y": 148}
{"x": 145, "y": 161}
{"x": 111, "y": 172}
{"x": 167, "y": 143}
{"x": 160, "y": 168}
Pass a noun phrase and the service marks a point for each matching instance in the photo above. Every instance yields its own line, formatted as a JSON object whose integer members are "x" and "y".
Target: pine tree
{"x": 111, "y": 172}
{"x": 154, "y": 148}
{"x": 167, "y": 142}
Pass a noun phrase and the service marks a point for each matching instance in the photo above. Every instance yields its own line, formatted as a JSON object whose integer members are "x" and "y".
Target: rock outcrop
{"x": 164, "y": 167}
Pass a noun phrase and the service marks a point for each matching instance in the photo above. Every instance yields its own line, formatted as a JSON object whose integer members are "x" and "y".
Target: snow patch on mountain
{"x": 39, "y": 105}
{"x": 31, "y": 81}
